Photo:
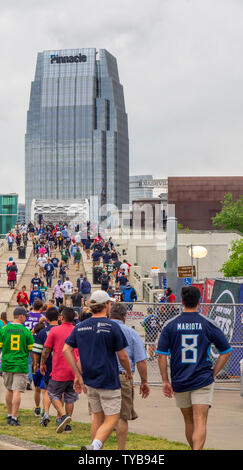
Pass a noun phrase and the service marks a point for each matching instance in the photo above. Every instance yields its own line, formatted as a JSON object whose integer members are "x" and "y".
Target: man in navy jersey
{"x": 187, "y": 339}
{"x": 98, "y": 339}
{"x": 49, "y": 269}
{"x": 52, "y": 320}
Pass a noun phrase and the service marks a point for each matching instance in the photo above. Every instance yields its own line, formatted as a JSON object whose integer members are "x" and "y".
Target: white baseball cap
{"x": 100, "y": 297}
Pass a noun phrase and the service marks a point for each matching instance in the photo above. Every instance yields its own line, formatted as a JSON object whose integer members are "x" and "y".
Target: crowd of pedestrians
{"x": 66, "y": 340}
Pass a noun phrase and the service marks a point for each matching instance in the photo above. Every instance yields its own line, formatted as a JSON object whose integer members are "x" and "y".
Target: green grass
{"x": 31, "y": 431}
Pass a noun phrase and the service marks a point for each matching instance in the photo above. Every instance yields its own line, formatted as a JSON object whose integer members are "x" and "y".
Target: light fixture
{"x": 197, "y": 252}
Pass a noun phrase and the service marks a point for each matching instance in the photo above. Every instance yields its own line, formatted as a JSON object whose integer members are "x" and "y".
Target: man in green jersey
{"x": 16, "y": 341}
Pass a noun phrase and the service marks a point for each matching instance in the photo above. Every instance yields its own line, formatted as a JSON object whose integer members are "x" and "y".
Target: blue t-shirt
{"x": 36, "y": 281}
{"x": 135, "y": 349}
{"x": 96, "y": 256}
{"x": 55, "y": 262}
{"x": 106, "y": 257}
{"x": 98, "y": 340}
{"x": 49, "y": 268}
{"x": 123, "y": 280}
{"x": 34, "y": 295}
{"x": 187, "y": 338}
{"x": 151, "y": 325}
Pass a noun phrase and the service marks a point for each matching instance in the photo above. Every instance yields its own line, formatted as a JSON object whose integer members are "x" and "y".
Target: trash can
{"x": 96, "y": 274}
{"x": 22, "y": 252}
{"x": 241, "y": 378}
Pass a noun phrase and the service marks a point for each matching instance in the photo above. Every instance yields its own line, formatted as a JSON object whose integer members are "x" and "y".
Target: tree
{"x": 234, "y": 266}
{"x": 181, "y": 227}
{"x": 231, "y": 215}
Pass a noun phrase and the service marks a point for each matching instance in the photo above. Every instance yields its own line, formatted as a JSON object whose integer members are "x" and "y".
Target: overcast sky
{"x": 180, "y": 62}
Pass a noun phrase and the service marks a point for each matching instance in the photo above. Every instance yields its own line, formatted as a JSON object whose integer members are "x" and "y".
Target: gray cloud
{"x": 180, "y": 62}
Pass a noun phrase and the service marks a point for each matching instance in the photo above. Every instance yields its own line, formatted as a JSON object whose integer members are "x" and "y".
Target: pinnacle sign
{"x": 56, "y": 59}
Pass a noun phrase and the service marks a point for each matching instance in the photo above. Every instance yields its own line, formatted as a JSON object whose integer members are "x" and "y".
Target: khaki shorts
{"x": 127, "y": 394}
{"x": 201, "y": 396}
{"x": 15, "y": 381}
{"x": 108, "y": 401}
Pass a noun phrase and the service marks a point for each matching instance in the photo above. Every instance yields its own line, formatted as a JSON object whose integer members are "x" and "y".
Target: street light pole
{"x": 192, "y": 262}
{"x": 191, "y": 248}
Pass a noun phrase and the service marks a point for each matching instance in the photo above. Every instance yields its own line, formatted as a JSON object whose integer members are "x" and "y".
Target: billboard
{"x": 208, "y": 291}
{"x": 228, "y": 317}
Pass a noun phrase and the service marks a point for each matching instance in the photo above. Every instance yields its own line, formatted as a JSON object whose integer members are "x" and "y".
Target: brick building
{"x": 198, "y": 199}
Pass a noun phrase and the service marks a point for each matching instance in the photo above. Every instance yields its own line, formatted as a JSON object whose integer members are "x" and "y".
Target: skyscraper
{"x": 76, "y": 142}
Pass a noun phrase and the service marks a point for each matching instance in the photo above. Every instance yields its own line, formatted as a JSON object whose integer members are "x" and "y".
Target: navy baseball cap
{"x": 20, "y": 311}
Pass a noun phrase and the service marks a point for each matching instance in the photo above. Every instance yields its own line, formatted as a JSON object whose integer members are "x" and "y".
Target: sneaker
{"x": 64, "y": 420}
{"x": 28, "y": 387}
{"x": 14, "y": 422}
{"x": 45, "y": 420}
{"x": 8, "y": 420}
{"x": 37, "y": 412}
{"x": 68, "y": 428}
{"x": 90, "y": 447}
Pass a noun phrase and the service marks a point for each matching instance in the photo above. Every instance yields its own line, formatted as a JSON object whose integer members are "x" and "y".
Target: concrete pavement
{"x": 159, "y": 417}
{"x": 4, "y": 445}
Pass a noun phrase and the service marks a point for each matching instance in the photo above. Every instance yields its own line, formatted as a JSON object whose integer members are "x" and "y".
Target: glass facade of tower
{"x": 77, "y": 133}
{"x": 135, "y": 189}
{"x": 8, "y": 213}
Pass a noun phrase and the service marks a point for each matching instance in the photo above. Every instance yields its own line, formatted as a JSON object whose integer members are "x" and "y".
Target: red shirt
{"x": 172, "y": 299}
{"x": 22, "y": 298}
{"x": 61, "y": 370}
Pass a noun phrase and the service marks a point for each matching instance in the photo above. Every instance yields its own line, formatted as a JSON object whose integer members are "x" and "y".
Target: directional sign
{"x": 186, "y": 271}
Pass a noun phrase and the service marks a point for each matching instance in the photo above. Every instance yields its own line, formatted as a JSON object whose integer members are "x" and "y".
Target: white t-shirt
{"x": 124, "y": 266}
{"x": 42, "y": 260}
{"x": 68, "y": 287}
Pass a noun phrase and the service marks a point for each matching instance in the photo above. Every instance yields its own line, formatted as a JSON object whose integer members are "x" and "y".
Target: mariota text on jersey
{"x": 189, "y": 326}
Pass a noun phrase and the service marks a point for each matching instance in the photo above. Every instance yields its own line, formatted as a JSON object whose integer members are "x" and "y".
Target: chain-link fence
{"x": 148, "y": 320}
